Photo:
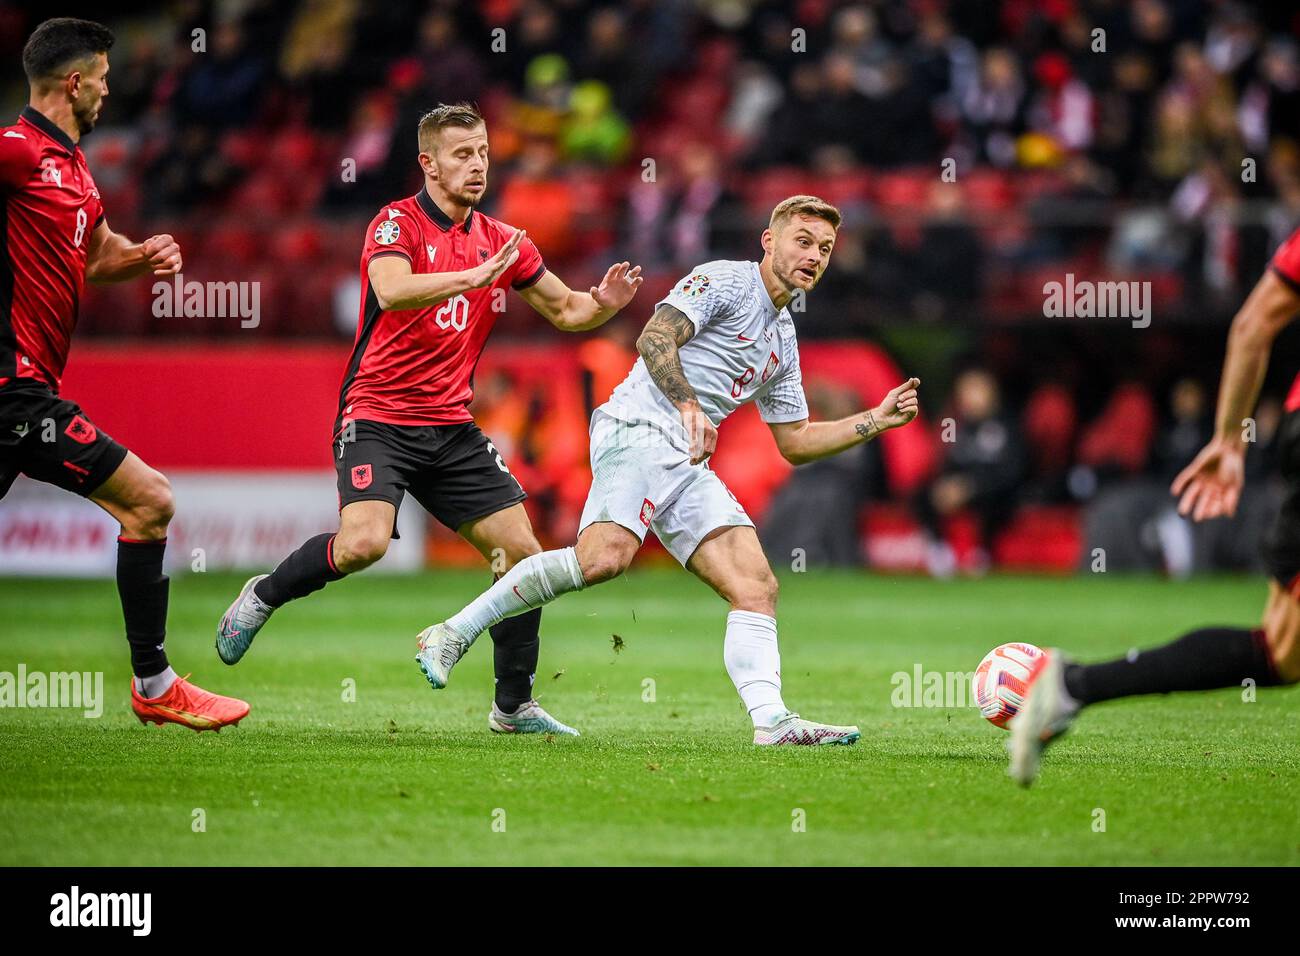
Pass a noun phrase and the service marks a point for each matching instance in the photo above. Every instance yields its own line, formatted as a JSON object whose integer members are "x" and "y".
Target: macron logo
{"x": 103, "y": 909}
{"x": 393, "y": 213}
{"x": 13, "y": 134}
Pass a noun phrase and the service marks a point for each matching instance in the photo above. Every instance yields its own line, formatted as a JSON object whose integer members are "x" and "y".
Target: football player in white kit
{"x": 722, "y": 337}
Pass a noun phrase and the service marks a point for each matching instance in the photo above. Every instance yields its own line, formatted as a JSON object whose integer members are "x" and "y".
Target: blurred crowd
{"x": 977, "y": 148}
{"x": 1158, "y": 138}
{"x": 994, "y": 460}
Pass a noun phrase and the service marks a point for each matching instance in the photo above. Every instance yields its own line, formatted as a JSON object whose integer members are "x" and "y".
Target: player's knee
{"x": 152, "y": 507}
{"x": 757, "y": 593}
{"x": 1284, "y": 648}
{"x": 507, "y": 556}
{"x": 604, "y": 564}
{"x": 359, "y": 549}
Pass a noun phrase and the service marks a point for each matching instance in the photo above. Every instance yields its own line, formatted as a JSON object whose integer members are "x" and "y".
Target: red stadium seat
{"x": 1050, "y": 420}
{"x": 1121, "y": 436}
{"x": 850, "y": 188}
{"x": 987, "y": 191}
{"x": 764, "y": 190}
{"x": 232, "y": 242}
{"x": 904, "y": 191}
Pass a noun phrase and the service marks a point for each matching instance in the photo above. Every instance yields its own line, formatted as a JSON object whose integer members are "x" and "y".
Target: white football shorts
{"x": 643, "y": 479}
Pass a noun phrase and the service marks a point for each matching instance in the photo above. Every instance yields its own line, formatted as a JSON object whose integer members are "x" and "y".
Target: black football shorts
{"x": 51, "y": 439}
{"x": 453, "y": 471}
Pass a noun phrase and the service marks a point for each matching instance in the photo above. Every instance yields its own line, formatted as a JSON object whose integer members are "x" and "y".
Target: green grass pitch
{"x": 406, "y": 775}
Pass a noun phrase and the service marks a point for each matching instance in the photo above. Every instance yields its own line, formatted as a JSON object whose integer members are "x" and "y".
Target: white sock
{"x": 754, "y": 665}
{"x": 534, "y": 581}
{"x": 157, "y": 685}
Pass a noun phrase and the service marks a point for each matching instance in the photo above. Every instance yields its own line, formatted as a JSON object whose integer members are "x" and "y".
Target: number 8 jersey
{"x": 416, "y": 366}
{"x": 51, "y": 208}
{"x": 743, "y": 350}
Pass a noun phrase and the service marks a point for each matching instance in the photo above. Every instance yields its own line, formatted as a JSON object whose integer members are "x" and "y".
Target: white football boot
{"x": 440, "y": 648}
{"x": 241, "y": 622}
{"x": 528, "y": 718}
{"x": 793, "y": 730}
{"x": 1047, "y": 712}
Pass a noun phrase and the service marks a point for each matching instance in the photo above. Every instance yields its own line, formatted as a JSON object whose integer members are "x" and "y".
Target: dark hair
{"x": 457, "y": 114}
{"x": 59, "y": 42}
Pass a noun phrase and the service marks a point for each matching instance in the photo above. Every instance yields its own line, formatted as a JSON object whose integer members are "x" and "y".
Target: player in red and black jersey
{"x": 1209, "y": 487}
{"x": 434, "y": 275}
{"x": 53, "y": 236}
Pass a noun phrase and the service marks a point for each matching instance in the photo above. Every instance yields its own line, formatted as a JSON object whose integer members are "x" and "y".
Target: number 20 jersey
{"x": 416, "y": 366}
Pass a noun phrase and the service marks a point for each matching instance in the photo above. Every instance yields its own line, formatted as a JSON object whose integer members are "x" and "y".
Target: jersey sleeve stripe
{"x": 1291, "y": 283}
{"x": 531, "y": 280}
{"x": 380, "y": 253}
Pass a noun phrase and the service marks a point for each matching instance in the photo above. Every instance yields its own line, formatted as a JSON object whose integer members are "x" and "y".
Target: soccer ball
{"x": 1001, "y": 679}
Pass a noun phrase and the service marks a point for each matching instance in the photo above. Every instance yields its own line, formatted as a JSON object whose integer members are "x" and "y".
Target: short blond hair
{"x": 464, "y": 115}
{"x": 803, "y": 206}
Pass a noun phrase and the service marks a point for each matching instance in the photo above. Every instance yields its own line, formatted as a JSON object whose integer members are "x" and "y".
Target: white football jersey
{"x": 743, "y": 350}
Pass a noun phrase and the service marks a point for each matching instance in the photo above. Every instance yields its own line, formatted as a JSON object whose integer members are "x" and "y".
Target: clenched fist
{"x": 163, "y": 253}
{"x": 899, "y": 407}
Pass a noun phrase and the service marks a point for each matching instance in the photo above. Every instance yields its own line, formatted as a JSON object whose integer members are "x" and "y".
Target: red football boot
{"x": 190, "y": 706}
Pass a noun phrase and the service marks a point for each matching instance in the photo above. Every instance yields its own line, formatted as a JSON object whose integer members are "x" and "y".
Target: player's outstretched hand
{"x": 618, "y": 286}
{"x": 163, "y": 253}
{"x": 701, "y": 431}
{"x": 1210, "y": 486}
{"x": 491, "y": 269}
{"x": 900, "y": 406}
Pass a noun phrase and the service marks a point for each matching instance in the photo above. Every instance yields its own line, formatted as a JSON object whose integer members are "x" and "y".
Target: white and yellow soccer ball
{"x": 1001, "y": 680}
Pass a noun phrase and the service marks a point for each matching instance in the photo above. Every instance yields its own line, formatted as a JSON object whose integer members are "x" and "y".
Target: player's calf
{"x": 140, "y": 498}
{"x": 730, "y": 560}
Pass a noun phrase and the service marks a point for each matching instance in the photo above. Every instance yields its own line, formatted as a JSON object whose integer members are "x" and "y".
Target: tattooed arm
{"x": 805, "y": 441}
{"x": 667, "y": 331}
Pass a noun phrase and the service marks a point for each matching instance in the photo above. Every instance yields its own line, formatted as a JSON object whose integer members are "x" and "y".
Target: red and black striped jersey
{"x": 416, "y": 366}
{"x": 50, "y": 209}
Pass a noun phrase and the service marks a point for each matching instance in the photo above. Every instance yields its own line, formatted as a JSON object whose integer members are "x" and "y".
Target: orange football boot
{"x": 190, "y": 706}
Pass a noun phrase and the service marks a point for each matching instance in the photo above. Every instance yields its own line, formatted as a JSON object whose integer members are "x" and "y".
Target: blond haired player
{"x": 433, "y": 270}
{"x": 723, "y": 337}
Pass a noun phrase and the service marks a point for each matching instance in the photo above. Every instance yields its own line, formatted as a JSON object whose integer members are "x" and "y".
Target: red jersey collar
{"x": 38, "y": 119}
{"x": 431, "y": 209}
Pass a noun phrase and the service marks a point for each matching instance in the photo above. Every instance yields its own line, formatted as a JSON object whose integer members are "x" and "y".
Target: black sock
{"x": 1201, "y": 660}
{"x": 515, "y": 646}
{"x": 308, "y": 569}
{"x": 142, "y": 586}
